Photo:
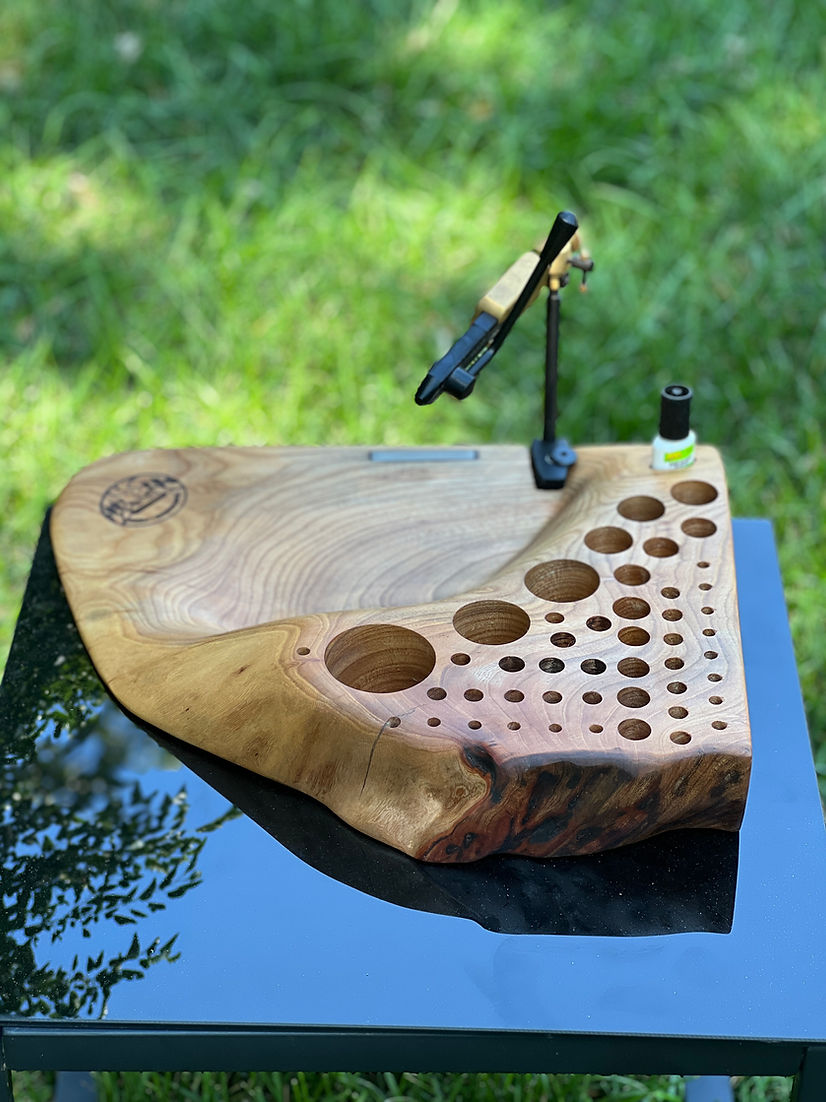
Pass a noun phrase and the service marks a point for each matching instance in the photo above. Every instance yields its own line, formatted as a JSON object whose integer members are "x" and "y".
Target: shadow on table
{"x": 677, "y": 882}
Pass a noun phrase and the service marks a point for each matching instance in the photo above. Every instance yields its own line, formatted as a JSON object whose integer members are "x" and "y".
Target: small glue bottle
{"x": 673, "y": 446}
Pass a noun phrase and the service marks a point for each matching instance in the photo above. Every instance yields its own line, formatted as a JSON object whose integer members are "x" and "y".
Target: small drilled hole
{"x": 670, "y": 592}
{"x": 672, "y": 614}
{"x": 514, "y": 696}
{"x": 709, "y": 631}
{"x": 473, "y": 694}
{"x": 641, "y": 508}
{"x": 474, "y": 724}
{"x": 705, "y": 586}
{"x": 673, "y": 639}
{"x": 436, "y": 694}
{"x": 680, "y": 737}
{"x": 633, "y": 697}
{"x": 631, "y": 574}
{"x": 631, "y": 608}
{"x": 555, "y": 727}
{"x": 513, "y": 726}
{"x": 674, "y": 663}
{"x": 715, "y": 700}
{"x": 706, "y": 610}
{"x": 633, "y": 637}
{"x": 608, "y": 540}
{"x": 433, "y": 722}
{"x": 592, "y": 665}
{"x": 703, "y": 565}
{"x": 676, "y": 687}
{"x": 303, "y": 650}
{"x": 394, "y": 721}
{"x": 699, "y": 527}
{"x": 719, "y": 725}
{"x": 554, "y": 617}
{"x": 592, "y": 698}
{"x": 460, "y": 659}
{"x": 693, "y": 492}
{"x": 678, "y": 713}
{"x": 562, "y": 639}
{"x": 634, "y": 729}
{"x": 596, "y": 728}
{"x": 552, "y": 697}
{"x": 632, "y": 667}
{"x": 709, "y": 654}
{"x": 511, "y": 664}
{"x": 660, "y": 548}
{"x": 715, "y": 677}
{"x": 598, "y": 623}
{"x": 552, "y": 665}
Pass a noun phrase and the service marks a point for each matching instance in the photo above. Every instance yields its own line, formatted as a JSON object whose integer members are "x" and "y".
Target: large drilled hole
{"x": 641, "y": 508}
{"x": 694, "y": 492}
{"x": 562, "y": 580}
{"x": 634, "y": 637}
{"x": 682, "y": 738}
{"x": 562, "y": 639}
{"x": 631, "y": 608}
{"x": 491, "y": 622}
{"x": 632, "y": 667}
{"x": 630, "y": 574}
{"x": 660, "y": 547}
{"x": 380, "y": 658}
{"x": 608, "y": 540}
{"x": 699, "y": 527}
{"x": 633, "y": 697}
{"x": 635, "y": 729}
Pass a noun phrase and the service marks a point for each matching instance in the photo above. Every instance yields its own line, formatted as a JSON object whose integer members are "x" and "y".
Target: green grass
{"x": 387, "y": 1087}
{"x": 260, "y": 223}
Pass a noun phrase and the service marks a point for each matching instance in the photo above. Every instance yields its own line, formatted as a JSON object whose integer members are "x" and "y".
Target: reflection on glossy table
{"x": 164, "y": 909}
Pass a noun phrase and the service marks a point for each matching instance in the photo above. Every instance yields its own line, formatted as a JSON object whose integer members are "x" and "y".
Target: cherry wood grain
{"x": 453, "y": 661}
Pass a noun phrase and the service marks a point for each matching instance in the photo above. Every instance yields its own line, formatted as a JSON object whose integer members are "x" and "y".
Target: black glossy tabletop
{"x": 146, "y": 882}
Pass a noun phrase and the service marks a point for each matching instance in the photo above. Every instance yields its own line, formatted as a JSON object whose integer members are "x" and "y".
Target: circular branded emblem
{"x": 143, "y": 499}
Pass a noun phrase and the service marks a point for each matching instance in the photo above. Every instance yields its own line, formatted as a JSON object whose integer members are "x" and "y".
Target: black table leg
{"x": 75, "y": 1086}
{"x": 709, "y": 1088}
{"x": 810, "y": 1081}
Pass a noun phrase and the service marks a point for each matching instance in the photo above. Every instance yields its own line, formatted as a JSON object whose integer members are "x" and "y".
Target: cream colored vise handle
{"x": 500, "y": 299}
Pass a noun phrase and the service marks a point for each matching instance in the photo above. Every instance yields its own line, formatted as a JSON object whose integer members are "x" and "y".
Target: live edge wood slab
{"x": 453, "y": 661}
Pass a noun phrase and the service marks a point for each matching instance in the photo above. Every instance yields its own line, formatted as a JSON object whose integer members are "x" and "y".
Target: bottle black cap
{"x": 675, "y": 411}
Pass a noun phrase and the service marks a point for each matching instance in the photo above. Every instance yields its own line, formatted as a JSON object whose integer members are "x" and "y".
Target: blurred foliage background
{"x": 260, "y": 223}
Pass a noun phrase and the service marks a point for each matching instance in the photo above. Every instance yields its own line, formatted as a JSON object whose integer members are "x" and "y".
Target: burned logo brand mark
{"x": 143, "y": 499}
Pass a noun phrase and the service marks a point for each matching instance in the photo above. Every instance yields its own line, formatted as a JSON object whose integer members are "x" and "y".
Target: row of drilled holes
{"x": 633, "y": 729}
{"x": 631, "y": 697}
